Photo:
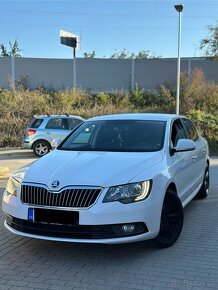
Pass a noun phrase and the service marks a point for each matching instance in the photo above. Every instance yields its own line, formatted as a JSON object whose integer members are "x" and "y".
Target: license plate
{"x": 52, "y": 216}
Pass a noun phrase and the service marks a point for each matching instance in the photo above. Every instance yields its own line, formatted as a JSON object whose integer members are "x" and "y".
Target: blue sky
{"x": 105, "y": 26}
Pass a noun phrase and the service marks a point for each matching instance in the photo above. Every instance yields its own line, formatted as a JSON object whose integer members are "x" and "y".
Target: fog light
{"x": 125, "y": 230}
{"x": 128, "y": 228}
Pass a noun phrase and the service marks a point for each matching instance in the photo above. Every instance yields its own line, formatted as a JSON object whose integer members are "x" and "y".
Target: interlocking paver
{"x": 192, "y": 263}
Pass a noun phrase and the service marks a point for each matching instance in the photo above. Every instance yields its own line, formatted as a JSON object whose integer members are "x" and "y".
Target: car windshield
{"x": 116, "y": 136}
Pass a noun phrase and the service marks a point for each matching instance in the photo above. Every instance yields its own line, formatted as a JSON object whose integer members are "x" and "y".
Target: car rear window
{"x": 36, "y": 123}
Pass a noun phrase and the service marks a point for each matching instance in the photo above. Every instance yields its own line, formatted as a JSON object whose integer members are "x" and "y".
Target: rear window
{"x": 36, "y": 123}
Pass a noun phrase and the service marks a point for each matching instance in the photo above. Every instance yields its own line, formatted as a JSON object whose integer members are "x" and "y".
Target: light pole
{"x": 74, "y": 66}
{"x": 70, "y": 40}
{"x": 179, "y": 9}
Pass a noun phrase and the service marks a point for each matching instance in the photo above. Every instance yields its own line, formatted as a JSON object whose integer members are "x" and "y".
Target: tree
{"x": 145, "y": 54}
{"x": 14, "y": 50}
{"x": 89, "y": 54}
{"x": 125, "y": 54}
{"x": 122, "y": 54}
{"x": 209, "y": 45}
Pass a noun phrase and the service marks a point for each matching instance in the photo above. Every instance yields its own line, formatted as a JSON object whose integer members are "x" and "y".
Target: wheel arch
{"x": 172, "y": 186}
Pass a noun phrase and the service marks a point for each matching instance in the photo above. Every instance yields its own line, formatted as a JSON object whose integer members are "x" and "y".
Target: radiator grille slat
{"x": 72, "y": 197}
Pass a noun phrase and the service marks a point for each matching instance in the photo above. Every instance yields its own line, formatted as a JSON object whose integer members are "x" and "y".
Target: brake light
{"x": 30, "y": 132}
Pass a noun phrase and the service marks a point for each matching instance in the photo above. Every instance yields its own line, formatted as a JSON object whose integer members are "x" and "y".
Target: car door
{"x": 198, "y": 155}
{"x": 182, "y": 163}
{"x": 57, "y": 128}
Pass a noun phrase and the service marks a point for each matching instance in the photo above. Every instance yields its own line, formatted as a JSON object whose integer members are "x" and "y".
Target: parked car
{"x": 43, "y": 129}
{"x": 115, "y": 179}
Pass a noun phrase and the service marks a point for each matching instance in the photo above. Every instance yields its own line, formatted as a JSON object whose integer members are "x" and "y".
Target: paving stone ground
{"x": 192, "y": 263}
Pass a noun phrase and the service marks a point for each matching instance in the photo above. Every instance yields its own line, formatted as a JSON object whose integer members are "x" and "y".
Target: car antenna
{"x": 48, "y": 114}
{"x": 67, "y": 115}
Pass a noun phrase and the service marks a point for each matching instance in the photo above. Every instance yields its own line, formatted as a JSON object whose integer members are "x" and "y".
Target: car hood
{"x": 90, "y": 168}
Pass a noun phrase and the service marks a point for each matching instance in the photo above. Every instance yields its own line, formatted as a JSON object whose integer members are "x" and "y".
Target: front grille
{"x": 70, "y": 197}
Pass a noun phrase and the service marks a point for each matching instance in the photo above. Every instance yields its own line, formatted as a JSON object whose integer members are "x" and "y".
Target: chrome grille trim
{"x": 67, "y": 197}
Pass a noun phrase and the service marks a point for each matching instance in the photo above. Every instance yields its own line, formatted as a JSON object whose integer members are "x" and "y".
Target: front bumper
{"x": 95, "y": 223}
{"x": 84, "y": 232}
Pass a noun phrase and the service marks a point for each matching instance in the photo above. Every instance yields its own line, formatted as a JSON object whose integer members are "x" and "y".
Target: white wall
{"x": 101, "y": 74}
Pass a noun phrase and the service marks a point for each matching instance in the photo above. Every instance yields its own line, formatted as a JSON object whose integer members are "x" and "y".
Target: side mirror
{"x": 184, "y": 145}
{"x": 55, "y": 142}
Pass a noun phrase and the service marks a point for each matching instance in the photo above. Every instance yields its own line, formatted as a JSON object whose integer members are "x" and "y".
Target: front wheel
{"x": 171, "y": 221}
{"x": 41, "y": 147}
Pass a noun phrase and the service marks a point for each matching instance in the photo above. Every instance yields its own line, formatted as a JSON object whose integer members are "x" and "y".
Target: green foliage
{"x": 89, "y": 54}
{"x": 198, "y": 94}
{"x": 208, "y": 126}
{"x": 163, "y": 98}
{"x": 125, "y": 54}
{"x": 14, "y": 50}
{"x": 138, "y": 97}
{"x": 103, "y": 98}
{"x": 209, "y": 44}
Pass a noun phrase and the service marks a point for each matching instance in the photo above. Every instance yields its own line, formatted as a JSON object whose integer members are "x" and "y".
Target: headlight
{"x": 129, "y": 192}
{"x": 14, "y": 182}
{"x": 12, "y": 186}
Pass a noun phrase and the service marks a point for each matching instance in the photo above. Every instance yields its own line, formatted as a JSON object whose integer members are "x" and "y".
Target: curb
{"x": 9, "y": 148}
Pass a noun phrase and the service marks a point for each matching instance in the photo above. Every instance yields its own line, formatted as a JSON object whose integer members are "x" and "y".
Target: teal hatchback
{"x": 43, "y": 129}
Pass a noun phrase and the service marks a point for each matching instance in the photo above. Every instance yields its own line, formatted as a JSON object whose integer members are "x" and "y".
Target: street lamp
{"x": 179, "y": 9}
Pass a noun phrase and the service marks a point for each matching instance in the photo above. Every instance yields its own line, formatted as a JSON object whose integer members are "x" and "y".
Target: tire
{"x": 41, "y": 147}
{"x": 204, "y": 190}
{"x": 171, "y": 221}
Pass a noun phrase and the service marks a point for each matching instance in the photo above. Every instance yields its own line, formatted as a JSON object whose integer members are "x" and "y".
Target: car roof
{"x": 137, "y": 116}
{"x": 58, "y": 116}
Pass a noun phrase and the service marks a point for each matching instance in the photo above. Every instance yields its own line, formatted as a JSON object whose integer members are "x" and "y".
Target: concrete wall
{"x": 100, "y": 74}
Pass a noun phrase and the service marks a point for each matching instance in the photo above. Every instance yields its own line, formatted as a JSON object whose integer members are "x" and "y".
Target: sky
{"x": 106, "y": 26}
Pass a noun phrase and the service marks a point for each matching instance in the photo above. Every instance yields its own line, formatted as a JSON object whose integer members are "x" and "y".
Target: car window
{"x": 73, "y": 123}
{"x": 85, "y": 136}
{"x": 36, "y": 123}
{"x": 118, "y": 136}
{"x": 191, "y": 131}
{"x": 177, "y": 132}
{"x": 56, "y": 123}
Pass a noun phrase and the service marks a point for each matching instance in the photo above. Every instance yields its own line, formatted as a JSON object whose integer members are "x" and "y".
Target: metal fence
{"x": 99, "y": 74}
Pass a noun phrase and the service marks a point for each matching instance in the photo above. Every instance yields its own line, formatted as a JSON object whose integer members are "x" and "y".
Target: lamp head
{"x": 178, "y": 7}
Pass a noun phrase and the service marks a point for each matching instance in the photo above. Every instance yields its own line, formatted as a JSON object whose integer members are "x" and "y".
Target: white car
{"x": 114, "y": 179}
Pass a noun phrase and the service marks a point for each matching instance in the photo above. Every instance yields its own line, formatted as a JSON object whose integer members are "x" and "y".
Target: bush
{"x": 18, "y": 107}
{"x": 208, "y": 126}
{"x": 199, "y": 100}
{"x": 198, "y": 94}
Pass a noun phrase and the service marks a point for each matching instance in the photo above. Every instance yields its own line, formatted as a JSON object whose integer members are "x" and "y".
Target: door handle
{"x": 204, "y": 150}
{"x": 194, "y": 157}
